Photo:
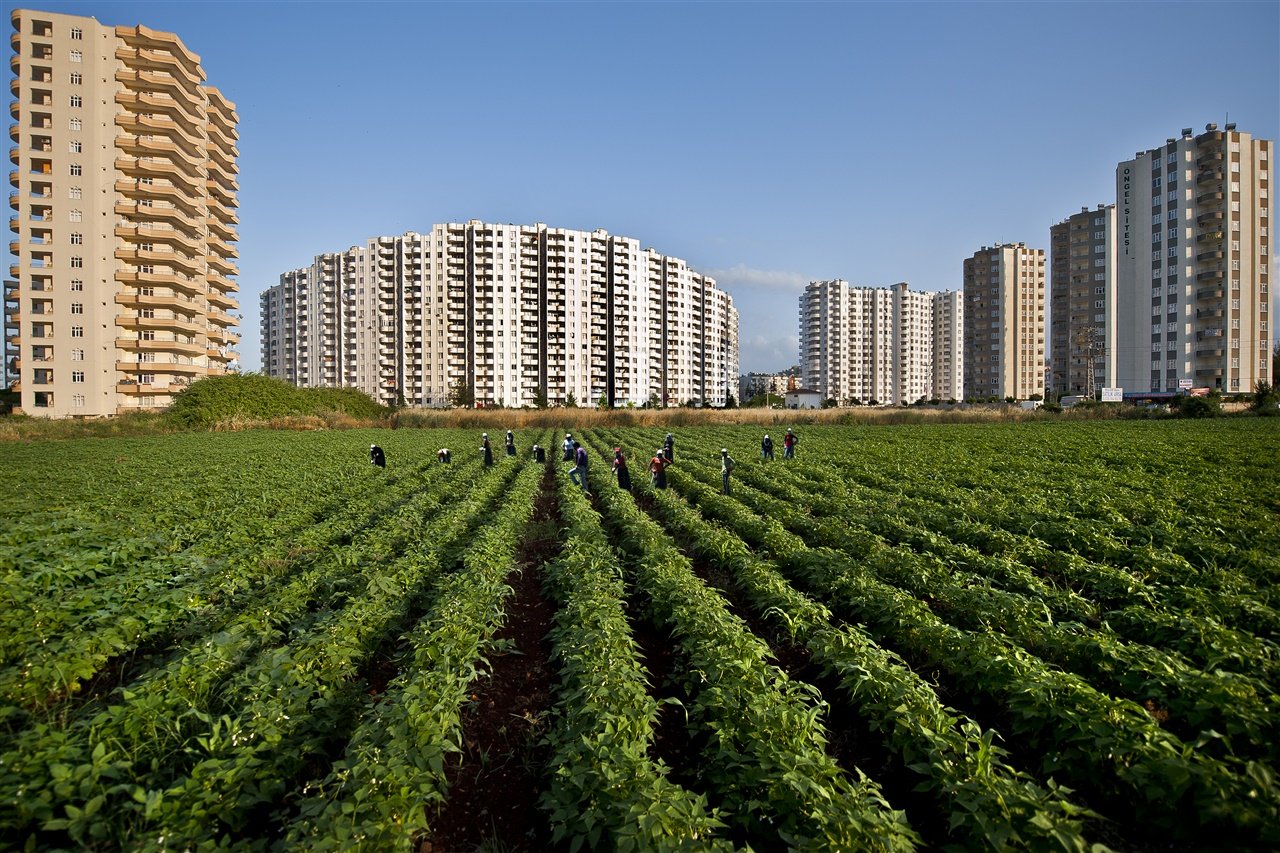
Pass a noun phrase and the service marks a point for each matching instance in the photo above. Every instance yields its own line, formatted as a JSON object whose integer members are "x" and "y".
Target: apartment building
{"x": 1004, "y": 322}
{"x": 1082, "y": 288}
{"x": 508, "y": 315}
{"x": 778, "y": 384}
{"x": 948, "y": 346}
{"x": 1192, "y": 271}
{"x": 121, "y": 290}
{"x": 886, "y": 345}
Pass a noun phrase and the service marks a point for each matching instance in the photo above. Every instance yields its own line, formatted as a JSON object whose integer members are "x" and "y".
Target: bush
{"x": 1197, "y": 407}
{"x": 1266, "y": 399}
{"x": 252, "y": 397}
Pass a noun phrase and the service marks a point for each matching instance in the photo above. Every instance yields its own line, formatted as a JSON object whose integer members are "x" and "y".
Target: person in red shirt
{"x": 658, "y": 469}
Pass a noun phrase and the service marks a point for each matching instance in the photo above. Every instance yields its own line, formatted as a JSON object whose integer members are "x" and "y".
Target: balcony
{"x": 1211, "y": 255}
{"x": 1210, "y": 216}
{"x": 159, "y": 367}
{"x": 1209, "y": 237}
{"x": 1209, "y": 275}
{"x": 1210, "y": 197}
{"x": 1202, "y": 313}
{"x": 1208, "y": 175}
{"x": 139, "y": 345}
{"x": 1210, "y": 372}
{"x": 132, "y": 321}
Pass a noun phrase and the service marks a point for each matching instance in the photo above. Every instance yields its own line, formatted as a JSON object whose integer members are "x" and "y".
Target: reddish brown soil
{"x": 494, "y": 789}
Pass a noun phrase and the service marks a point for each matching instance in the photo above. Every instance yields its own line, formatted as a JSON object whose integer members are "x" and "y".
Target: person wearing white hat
{"x": 377, "y": 457}
{"x": 789, "y": 442}
{"x": 766, "y": 448}
{"x": 511, "y": 443}
{"x": 567, "y": 447}
{"x": 487, "y": 450}
{"x": 726, "y": 467}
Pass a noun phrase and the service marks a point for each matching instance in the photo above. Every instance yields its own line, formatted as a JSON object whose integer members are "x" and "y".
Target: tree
{"x": 730, "y": 401}
{"x": 461, "y": 395}
{"x": 1266, "y": 398}
{"x": 603, "y": 401}
{"x": 1275, "y": 362}
{"x": 652, "y": 402}
{"x": 829, "y": 403}
{"x": 540, "y": 398}
{"x": 570, "y": 401}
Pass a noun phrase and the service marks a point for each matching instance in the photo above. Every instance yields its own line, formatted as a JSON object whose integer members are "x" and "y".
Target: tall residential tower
{"x": 1004, "y": 322}
{"x": 1082, "y": 311}
{"x": 505, "y": 315}
{"x": 886, "y": 345}
{"x": 1193, "y": 253}
{"x": 121, "y": 286}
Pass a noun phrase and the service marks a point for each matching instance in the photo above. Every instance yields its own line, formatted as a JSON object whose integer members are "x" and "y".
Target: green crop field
{"x": 972, "y": 636}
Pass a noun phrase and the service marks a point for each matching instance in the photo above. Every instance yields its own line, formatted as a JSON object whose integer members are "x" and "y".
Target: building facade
{"x": 1004, "y": 322}
{"x": 777, "y": 384}
{"x": 881, "y": 345}
{"x": 511, "y": 315}
{"x": 1082, "y": 315}
{"x": 1193, "y": 263}
{"x": 122, "y": 284}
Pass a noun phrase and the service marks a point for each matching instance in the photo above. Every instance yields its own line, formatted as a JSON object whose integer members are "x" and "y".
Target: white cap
{"x": 724, "y": 451}
{"x": 372, "y": 446}
{"x": 766, "y": 435}
{"x": 486, "y": 435}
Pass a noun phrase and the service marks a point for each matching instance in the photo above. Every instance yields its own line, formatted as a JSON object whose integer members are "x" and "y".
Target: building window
{"x": 77, "y": 376}
{"x": 76, "y": 147}
{"x": 77, "y": 239}
{"x": 74, "y": 192}
{"x": 77, "y": 331}
{"x": 77, "y": 355}
{"x": 147, "y": 335}
{"x": 77, "y": 34}
{"x": 76, "y": 78}
{"x": 43, "y": 399}
{"x": 77, "y": 56}
{"x": 74, "y": 124}
{"x": 76, "y": 170}
{"x": 75, "y": 216}
{"x": 146, "y": 378}
{"x": 77, "y": 400}
{"x": 77, "y": 263}
{"x": 77, "y": 284}
{"x": 77, "y": 307}
{"x": 77, "y": 101}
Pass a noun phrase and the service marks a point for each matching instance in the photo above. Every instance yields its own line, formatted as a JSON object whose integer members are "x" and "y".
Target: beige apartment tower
{"x": 496, "y": 314}
{"x": 879, "y": 344}
{"x": 121, "y": 286}
{"x": 1082, "y": 310}
{"x": 1193, "y": 270}
{"x": 1004, "y": 322}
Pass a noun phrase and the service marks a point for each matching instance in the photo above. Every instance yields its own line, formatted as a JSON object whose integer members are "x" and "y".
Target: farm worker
{"x": 766, "y": 448}
{"x": 377, "y": 457}
{"x": 620, "y": 470}
{"x": 567, "y": 445}
{"x": 669, "y": 448}
{"x": 539, "y": 454}
{"x": 726, "y": 467}
{"x": 658, "y": 469}
{"x": 579, "y": 472}
{"x": 487, "y": 449}
{"x": 789, "y": 442}
{"x": 511, "y": 444}
{"x": 443, "y": 455}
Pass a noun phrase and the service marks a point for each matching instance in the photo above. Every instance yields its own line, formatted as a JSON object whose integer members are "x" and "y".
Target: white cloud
{"x": 741, "y": 275}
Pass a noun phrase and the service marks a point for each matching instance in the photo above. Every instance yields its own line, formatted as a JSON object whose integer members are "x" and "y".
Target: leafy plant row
{"x": 767, "y": 755}
{"x": 1103, "y": 745}
{"x": 1234, "y": 705}
{"x": 985, "y": 803}
{"x": 603, "y": 789}
{"x": 160, "y": 720}
{"x": 378, "y": 795}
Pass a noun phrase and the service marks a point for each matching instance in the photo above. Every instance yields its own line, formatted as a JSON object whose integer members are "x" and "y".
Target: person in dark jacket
{"x": 658, "y": 469}
{"x": 539, "y": 454}
{"x": 567, "y": 446}
{"x": 511, "y": 444}
{"x": 669, "y": 448}
{"x": 789, "y": 442}
{"x": 487, "y": 450}
{"x": 443, "y": 455}
{"x": 766, "y": 449}
{"x": 579, "y": 471}
{"x": 620, "y": 470}
{"x": 726, "y": 468}
{"x": 377, "y": 457}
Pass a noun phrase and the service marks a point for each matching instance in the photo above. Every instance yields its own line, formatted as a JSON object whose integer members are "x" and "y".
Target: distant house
{"x": 804, "y": 398}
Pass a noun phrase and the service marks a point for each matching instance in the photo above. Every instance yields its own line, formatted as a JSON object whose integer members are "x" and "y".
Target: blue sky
{"x": 765, "y": 143}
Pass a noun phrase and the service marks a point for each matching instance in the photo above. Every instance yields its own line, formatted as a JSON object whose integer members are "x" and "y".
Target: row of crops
{"x": 1043, "y": 636}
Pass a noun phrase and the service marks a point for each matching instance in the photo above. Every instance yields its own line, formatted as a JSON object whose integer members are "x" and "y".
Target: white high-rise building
{"x": 504, "y": 315}
{"x": 883, "y": 345}
{"x": 121, "y": 288}
{"x": 1004, "y": 322}
{"x": 1193, "y": 264}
